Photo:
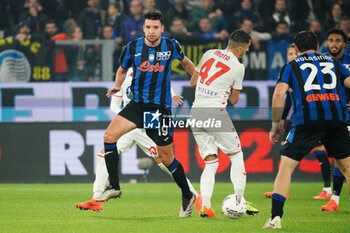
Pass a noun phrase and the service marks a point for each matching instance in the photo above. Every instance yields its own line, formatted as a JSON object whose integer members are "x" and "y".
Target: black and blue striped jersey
{"x": 317, "y": 84}
{"x": 152, "y": 68}
{"x": 345, "y": 60}
{"x": 288, "y": 104}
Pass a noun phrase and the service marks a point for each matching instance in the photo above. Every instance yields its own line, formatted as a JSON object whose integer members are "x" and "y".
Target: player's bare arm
{"x": 234, "y": 96}
{"x": 119, "y": 78}
{"x": 194, "y": 79}
{"x": 277, "y": 106}
{"x": 188, "y": 65}
{"x": 347, "y": 82}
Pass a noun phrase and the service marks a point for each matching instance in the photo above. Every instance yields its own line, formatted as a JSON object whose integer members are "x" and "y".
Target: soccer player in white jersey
{"x": 219, "y": 78}
{"x": 125, "y": 143}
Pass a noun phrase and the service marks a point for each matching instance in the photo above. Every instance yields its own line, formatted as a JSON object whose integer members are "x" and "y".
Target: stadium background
{"x": 51, "y": 128}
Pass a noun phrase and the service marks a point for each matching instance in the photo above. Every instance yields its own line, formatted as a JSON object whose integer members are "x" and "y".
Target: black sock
{"x": 277, "y": 205}
{"x": 338, "y": 180}
{"x": 179, "y": 176}
{"x": 325, "y": 167}
{"x": 112, "y": 162}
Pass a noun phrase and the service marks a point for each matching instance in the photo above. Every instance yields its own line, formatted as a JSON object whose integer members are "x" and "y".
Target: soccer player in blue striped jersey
{"x": 318, "y": 84}
{"x": 336, "y": 41}
{"x": 150, "y": 57}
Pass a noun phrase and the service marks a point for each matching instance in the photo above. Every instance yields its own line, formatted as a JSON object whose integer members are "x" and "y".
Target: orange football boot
{"x": 323, "y": 195}
{"x": 90, "y": 205}
{"x": 198, "y": 202}
{"x": 330, "y": 206}
{"x": 207, "y": 212}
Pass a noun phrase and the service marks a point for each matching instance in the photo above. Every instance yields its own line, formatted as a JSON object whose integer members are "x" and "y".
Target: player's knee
{"x": 166, "y": 157}
{"x": 109, "y": 138}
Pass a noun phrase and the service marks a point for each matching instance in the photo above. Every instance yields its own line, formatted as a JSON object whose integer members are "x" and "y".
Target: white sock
{"x": 193, "y": 190}
{"x": 165, "y": 169}
{"x": 335, "y": 198}
{"x": 238, "y": 174}
{"x": 327, "y": 189}
{"x": 207, "y": 181}
{"x": 101, "y": 178}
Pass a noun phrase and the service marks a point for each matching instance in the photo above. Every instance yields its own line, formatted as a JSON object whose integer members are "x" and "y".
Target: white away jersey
{"x": 219, "y": 72}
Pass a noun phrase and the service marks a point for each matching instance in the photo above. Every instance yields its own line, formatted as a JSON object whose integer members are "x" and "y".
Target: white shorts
{"x": 209, "y": 140}
{"x": 139, "y": 137}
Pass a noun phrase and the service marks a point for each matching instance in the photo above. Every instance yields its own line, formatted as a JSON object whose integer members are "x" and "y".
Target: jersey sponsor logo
{"x": 204, "y": 91}
{"x": 137, "y": 54}
{"x": 163, "y": 55}
{"x": 146, "y": 66}
{"x": 322, "y": 97}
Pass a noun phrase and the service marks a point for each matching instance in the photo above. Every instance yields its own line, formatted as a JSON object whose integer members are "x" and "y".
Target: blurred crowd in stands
{"x": 189, "y": 21}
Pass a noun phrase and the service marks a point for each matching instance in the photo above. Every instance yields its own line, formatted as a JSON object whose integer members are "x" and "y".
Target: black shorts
{"x": 287, "y": 127}
{"x": 155, "y": 119}
{"x": 333, "y": 135}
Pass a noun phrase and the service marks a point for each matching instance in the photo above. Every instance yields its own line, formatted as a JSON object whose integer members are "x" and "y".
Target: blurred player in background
{"x": 125, "y": 143}
{"x": 318, "y": 84}
{"x": 336, "y": 42}
{"x": 218, "y": 78}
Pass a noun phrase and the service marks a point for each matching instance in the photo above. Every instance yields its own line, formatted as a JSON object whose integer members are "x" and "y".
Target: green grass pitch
{"x": 154, "y": 207}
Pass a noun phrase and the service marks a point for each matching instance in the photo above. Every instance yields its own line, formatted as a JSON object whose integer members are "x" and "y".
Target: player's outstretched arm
{"x": 119, "y": 78}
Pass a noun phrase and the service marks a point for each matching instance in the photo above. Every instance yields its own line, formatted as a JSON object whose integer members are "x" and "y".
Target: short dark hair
{"x": 239, "y": 36}
{"x": 50, "y": 21}
{"x": 337, "y": 31}
{"x": 306, "y": 40}
{"x": 154, "y": 15}
{"x": 115, "y": 4}
{"x": 282, "y": 21}
{"x": 292, "y": 45}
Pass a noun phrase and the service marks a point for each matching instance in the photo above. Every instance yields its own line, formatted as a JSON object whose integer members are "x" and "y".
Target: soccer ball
{"x": 234, "y": 206}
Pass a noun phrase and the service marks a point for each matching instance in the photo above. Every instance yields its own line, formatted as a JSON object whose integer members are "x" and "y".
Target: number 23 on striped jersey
{"x": 327, "y": 69}
{"x": 205, "y": 70}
